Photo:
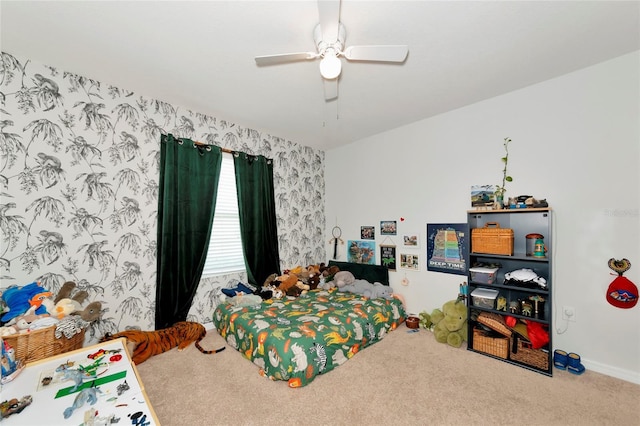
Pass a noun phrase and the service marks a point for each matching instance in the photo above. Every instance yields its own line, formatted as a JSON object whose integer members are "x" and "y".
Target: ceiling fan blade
{"x": 329, "y": 12}
{"x": 330, "y": 89}
{"x": 377, "y": 53}
{"x": 284, "y": 57}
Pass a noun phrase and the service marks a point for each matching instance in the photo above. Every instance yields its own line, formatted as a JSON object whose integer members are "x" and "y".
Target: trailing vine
{"x": 500, "y": 190}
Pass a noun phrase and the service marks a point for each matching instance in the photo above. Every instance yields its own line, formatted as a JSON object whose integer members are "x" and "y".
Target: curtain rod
{"x": 227, "y": 150}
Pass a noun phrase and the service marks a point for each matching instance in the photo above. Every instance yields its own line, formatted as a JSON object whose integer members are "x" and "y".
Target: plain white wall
{"x": 576, "y": 142}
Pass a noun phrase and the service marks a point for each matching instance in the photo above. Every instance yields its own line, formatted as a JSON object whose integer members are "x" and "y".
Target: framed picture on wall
{"x": 388, "y": 256}
{"x": 410, "y": 261}
{"x": 410, "y": 241}
{"x": 447, "y": 248}
{"x": 388, "y": 227}
{"x": 361, "y": 252}
{"x": 367, "y": 232}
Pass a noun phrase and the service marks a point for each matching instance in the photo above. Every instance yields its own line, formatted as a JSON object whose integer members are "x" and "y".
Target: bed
{"x": 297, "y": 339}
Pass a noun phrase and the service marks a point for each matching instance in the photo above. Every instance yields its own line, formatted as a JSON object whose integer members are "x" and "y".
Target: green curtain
{"x": 189, "y": 175}
{"x": 257, "y": 208}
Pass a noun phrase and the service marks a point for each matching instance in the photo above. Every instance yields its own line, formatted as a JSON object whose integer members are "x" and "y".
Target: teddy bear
{"x": 343, "y": 278}
{"x": 290, "y": 285}
{"x": 368, "y": 289}
{"x": 329, "y": 272}
{"x": 269, "y": 289}
{"x": 310, "y": 276}
{"x": 450, "y": 323}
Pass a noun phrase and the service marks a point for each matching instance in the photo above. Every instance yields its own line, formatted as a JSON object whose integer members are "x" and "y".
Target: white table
{"x": 50, "y": 401}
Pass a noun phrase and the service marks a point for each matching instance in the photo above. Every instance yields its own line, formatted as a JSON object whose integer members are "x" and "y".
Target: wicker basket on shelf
{"x": 483, "y": 341}
{"x": 495, "y": 322}
{"x": 492, "y": 239}
{"x": 40, "y": 344}
{"x": 523, "y": 352}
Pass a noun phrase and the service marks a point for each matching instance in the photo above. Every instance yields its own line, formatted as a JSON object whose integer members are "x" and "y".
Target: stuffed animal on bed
{"x": 310, "y": 276}
{"x": 290, "y": 285}
{"x": 368, "y": 289}
{"x": 343, "y": 278}
{"x": 329, "y": 272}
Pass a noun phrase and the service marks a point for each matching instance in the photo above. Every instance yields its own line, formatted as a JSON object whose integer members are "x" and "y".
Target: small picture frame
{"x": 367, "y": 232}
{"x": 482, "y": 195}
{"x": 410, "y": 241}
{"x": 410, "y": 261}
{"x": 388, "y": 227}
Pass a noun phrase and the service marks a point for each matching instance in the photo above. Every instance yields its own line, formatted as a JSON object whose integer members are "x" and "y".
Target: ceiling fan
{"x": 329, "y": 36}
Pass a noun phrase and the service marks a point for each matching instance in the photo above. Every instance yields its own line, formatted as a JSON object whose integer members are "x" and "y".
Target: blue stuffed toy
{"x": 17, "y": 300}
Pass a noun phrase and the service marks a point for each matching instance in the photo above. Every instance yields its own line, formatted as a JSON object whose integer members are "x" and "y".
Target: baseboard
{"x": 618, "y": 373}
{"x": 208, "y": 325}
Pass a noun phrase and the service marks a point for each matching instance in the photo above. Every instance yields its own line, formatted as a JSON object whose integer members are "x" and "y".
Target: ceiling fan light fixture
{"x": 330, "y": 65}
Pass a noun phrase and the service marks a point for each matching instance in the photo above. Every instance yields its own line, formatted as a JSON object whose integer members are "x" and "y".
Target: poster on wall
{"x": 361, "y": 252}
{"x": 447, "y": 248}
{"x": 388, "y": 256}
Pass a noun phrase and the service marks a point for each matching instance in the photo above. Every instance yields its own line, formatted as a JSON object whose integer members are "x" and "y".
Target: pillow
{"x": 240, "y": 288}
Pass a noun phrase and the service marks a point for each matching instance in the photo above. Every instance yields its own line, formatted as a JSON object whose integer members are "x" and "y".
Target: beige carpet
{"x": 406, "y": 379}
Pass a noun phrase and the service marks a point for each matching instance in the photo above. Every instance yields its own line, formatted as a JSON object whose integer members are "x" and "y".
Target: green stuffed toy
{"x": 450, "y": 323}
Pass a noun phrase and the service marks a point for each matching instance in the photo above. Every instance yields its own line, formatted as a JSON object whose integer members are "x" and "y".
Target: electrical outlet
{"x": 569, "y": 313}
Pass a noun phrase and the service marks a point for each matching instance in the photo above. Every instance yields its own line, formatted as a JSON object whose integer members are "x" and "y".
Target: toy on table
{"x": 14, "y": 406}
{"x": 77, "y": 376}
{"x": 85, "y": 395}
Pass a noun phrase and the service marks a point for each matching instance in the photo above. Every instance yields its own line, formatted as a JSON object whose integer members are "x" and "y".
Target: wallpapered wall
{"x": 79, "y": 179}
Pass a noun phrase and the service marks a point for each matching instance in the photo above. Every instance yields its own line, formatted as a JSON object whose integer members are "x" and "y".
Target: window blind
{"x": 225, "y": 245}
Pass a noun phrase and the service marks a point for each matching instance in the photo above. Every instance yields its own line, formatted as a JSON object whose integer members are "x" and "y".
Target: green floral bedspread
{"x": 297, "y": 339}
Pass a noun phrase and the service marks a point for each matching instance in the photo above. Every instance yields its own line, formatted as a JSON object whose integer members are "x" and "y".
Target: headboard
{"x": 371, "y": 273}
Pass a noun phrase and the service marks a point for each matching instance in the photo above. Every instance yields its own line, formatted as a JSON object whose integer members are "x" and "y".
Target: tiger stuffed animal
{"x": 144, "y": 344}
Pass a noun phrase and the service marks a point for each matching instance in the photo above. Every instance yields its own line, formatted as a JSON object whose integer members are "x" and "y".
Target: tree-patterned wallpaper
{"x": 79, "y": 180}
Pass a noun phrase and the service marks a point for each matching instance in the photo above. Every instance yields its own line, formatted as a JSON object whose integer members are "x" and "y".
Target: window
{"x": 225, "y": 246}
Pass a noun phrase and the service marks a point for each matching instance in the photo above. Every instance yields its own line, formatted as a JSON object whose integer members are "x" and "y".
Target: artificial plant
{"x": 500, "y": 190}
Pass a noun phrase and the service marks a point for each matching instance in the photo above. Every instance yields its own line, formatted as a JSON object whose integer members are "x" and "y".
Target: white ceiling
{"x": 199, "y": 55}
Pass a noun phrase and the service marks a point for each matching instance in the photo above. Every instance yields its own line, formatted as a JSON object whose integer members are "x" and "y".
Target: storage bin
{"x": 487, "y": 342}
{"x": 483, "y": 275}
{"x": 484, "y": 297}
{"x": 522, "y": 351}
{"x": 491, "y": 239}
{"x": 42, "y": 343}
{"x": 495, "y": 322}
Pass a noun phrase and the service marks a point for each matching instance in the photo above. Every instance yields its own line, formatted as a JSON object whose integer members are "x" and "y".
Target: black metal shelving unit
{"x": 523, "y": 222}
